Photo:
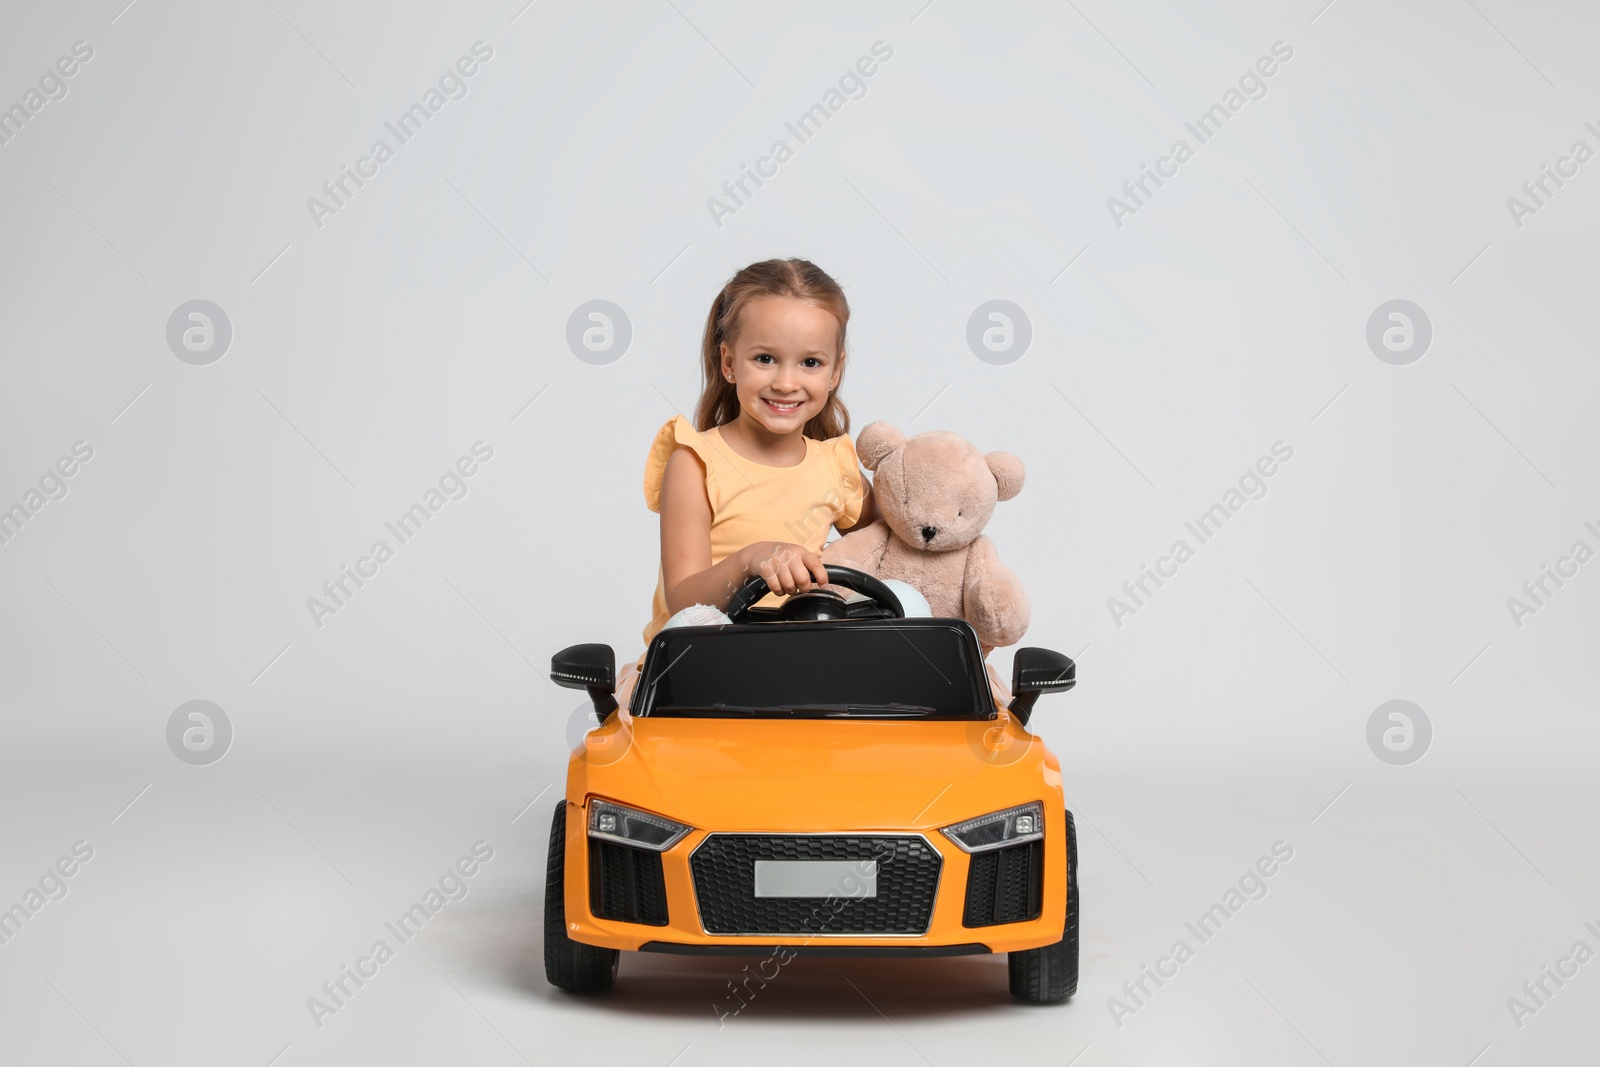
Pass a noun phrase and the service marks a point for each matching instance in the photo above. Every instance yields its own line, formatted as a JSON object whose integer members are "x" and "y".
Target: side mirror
{"x": 1035, "y": 671}
{"x": 593, "y": 667}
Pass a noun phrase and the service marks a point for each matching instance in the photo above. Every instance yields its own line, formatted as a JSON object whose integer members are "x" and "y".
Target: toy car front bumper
{"x": 916, "y": 913}
{"x": 916, "y": 951}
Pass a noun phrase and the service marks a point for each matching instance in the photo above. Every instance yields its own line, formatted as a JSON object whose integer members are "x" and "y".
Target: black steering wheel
{"x": 818, "y": 603}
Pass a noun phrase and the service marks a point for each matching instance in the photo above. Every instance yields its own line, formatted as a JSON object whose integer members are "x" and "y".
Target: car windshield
{"x": 856, "y": 669}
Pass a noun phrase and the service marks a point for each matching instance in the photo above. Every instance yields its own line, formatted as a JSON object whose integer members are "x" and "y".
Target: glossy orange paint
{"x": 814, "y": 776}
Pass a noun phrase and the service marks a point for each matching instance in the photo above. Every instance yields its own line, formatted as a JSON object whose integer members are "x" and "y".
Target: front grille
{"x": 1005, "y": 885}
{"x": 626, "y": 884}
{"x": 724, "y": 885}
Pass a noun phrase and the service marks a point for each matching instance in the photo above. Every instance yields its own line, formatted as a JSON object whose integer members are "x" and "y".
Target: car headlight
{"x": 639, "y": 829}
{"x": 999, "y": 829}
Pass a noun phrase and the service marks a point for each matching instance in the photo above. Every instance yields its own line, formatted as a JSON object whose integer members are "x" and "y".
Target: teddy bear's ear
{"x": 876, "y": 441}
{"x": 1007, "y": 471}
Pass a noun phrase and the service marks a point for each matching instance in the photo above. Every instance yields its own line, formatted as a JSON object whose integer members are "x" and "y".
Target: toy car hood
{"x": 812, "y": 775}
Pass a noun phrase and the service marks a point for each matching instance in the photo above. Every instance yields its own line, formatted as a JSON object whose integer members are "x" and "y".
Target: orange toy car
{"x": 827, "y": 777}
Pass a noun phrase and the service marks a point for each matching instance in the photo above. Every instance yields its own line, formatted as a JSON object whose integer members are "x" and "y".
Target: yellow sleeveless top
{"x": 753, "y": 502}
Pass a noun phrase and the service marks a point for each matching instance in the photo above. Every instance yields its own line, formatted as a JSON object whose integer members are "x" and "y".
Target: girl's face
{"x": 783, "y": 361}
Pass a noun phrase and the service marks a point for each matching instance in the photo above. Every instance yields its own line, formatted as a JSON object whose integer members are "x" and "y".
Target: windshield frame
{"x": 676, "y": 640}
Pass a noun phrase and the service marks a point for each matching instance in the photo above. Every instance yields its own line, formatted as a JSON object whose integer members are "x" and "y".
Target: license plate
{"x": 817, "y": 878}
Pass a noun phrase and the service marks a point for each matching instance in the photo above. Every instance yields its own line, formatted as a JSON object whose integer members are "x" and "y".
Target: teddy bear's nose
{"x": 928, "y": 533}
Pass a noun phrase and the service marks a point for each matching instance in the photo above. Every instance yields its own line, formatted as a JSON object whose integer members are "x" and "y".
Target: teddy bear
{"x": 936, "y": 492}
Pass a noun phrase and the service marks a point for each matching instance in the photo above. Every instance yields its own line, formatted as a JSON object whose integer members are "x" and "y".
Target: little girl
{"x": 768, "y": 465}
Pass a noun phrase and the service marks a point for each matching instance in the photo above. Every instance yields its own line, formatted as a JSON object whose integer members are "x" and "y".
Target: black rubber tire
{"x": 568, "y": 964}
{"x": 1049, "y": 975}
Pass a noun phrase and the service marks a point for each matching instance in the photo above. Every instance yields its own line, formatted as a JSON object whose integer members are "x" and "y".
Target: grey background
{"x": 1167, "y": 354}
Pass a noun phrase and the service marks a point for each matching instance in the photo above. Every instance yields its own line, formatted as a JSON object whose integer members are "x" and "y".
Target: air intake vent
{"x": 1005, "y": 885}
{"x": 626, "y": 884}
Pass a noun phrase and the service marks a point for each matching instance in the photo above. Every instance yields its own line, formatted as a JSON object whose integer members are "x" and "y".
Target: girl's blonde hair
{"x": 798, "y": 278}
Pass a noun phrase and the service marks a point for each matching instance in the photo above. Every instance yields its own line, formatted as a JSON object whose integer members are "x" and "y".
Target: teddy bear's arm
{"x": 862, "y": 549}
{"x": 993, "y": 598}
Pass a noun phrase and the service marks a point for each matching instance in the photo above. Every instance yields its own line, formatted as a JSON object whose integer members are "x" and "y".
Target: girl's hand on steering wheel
{"x": 786, "y": 567}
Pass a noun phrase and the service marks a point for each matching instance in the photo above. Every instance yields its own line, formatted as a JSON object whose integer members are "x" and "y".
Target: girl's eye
{"x": 811, "y": 360}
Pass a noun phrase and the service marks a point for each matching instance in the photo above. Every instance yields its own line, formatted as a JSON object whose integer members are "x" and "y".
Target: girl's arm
{"x": 869, "y": 511}
{"x": 686, "y": 572}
